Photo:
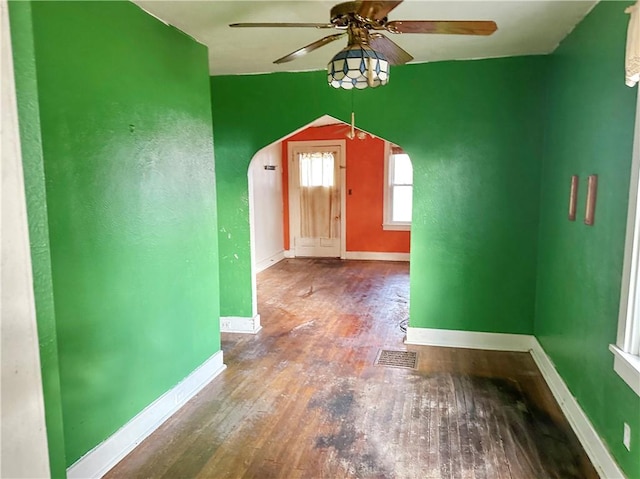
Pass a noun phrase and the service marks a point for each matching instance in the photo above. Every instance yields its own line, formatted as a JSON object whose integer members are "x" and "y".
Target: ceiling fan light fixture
{"x": 358, "y": 66}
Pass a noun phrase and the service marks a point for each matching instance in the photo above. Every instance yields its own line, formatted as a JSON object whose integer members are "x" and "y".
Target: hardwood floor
{"x": 304, "y": 399}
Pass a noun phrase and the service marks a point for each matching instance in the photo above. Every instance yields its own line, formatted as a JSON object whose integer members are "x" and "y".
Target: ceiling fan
{"x": 365, "y": 61}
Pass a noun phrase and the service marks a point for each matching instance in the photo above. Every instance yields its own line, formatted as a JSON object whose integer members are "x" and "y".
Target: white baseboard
{"x": 270, "y": 261}
{"x": 587, "y": 435}
{"x": 376, "y": 256}
{"x": 97, "y": 462}
{"x": 363, "y": 255}
{"x": 469, "y": 339}
{"x": 237, "y": 324}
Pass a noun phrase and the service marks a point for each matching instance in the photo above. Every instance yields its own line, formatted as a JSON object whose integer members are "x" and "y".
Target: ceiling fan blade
{"x": 375, "y": 10}
{"x": 458, "y": 27}
{"x": 309, "y": 48}
{"x": 395, "y": 54}
{"x": 278, "y": 25}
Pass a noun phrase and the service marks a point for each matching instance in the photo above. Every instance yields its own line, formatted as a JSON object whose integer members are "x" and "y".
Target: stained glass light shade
{"x": 358, "y": 66}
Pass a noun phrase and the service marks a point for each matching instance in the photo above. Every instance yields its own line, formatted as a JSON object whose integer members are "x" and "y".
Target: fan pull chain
{"x": 352, "y": 133}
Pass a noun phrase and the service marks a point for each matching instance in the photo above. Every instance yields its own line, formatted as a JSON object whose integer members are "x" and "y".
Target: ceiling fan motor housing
{"x": 361, "y": 13}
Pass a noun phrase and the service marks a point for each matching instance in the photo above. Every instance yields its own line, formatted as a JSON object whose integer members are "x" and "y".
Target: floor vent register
{"x": 397, "y": 359}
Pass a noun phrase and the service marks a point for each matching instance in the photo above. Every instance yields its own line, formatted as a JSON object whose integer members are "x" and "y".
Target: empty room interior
{"x": 373, "y": 239}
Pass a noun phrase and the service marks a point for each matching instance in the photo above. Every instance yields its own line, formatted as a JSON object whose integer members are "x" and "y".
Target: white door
{"x": 315, "y": 199}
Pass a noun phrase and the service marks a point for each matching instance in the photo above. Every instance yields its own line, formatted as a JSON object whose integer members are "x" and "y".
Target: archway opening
{"x": 374, "y": 177}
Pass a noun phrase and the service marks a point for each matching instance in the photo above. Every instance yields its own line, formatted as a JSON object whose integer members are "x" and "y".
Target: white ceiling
{"x": 524, "y": 28}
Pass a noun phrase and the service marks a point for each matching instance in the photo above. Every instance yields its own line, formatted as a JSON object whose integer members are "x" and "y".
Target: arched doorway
{"x": 368, "y": 189}
{"x": 374, "y": 179}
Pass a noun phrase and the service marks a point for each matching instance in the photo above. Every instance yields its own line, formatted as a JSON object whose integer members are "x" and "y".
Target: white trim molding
{"x": 630, "y": 265}
{"x": 238, "y": 324}
{"x": 627, "y": 349}
{"x": 469, "y": 339}
{"x": 627, "y": 366}
{"x": 396, "y": 226}
{"x": 24, "y": 450}
{"x": 586, "y": 433}
{"x": 376, "y": 256}
{"x": 97, "y": 462}
{"x": 365, "y": 255}
{"x": 270, "y": 261}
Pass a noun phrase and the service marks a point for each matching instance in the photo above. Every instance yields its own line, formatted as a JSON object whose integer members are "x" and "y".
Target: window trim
{"x": 625, "y": 351}
{"x": 387, "y": 223}
{"x": 627, "y": 366}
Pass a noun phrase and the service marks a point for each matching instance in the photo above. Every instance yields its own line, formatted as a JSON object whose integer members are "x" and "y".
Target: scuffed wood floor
{"x": 303, "y": 398}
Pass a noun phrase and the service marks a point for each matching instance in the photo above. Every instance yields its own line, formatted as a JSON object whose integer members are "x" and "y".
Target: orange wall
{"x": 365, "y": 191}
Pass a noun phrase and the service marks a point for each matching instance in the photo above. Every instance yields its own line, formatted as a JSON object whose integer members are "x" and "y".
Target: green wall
{"x": 473, "y": 130}
{"x": 33, "y": 168}
{"x": 128, "y": 160}
{"x": 589, "y": 131}
{"x": 124, "y": 235}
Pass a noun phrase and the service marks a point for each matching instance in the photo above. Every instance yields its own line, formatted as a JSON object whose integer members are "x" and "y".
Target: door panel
{"x": 315, "y": 195}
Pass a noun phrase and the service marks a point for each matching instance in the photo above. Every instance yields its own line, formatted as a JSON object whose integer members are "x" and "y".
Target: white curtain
{"x": 319, "y": 201}
{"x": 632, "y": 61}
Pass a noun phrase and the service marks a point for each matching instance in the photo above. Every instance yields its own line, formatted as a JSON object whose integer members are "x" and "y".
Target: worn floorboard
{"x": 304, "y": 399}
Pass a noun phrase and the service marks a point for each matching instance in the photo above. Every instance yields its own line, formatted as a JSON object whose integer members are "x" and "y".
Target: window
{"x": 398, "y": 195}
{"x": 316, "y": 169}
{"x": 626, "y": 351}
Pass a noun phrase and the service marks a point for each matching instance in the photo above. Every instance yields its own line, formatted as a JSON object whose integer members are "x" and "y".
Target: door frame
{"x": 342, "y": 167}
